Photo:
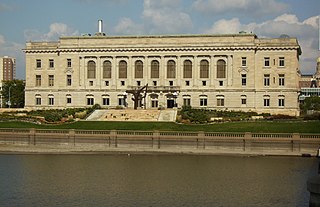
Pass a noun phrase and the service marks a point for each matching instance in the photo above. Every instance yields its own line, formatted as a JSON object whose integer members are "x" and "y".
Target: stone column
{"x": 229, "y": 70}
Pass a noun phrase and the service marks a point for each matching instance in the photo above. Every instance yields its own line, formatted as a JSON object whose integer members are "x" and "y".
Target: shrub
{"x": 53, "y": 116}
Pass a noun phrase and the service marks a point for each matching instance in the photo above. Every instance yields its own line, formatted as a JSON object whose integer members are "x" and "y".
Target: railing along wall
{"x": 243, "y": 141}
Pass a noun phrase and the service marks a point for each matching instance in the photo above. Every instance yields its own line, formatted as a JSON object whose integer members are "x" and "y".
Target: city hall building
{"x": 223, "y": 72}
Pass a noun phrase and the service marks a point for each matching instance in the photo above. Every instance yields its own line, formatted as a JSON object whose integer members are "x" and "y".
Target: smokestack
{"x": 100, "y": 29}
{"x": 100, "y": 26}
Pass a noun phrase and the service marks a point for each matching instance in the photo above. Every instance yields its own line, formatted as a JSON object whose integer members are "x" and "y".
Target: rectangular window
{"x": 266, "y": 102}
{"x": 187, "y": 83}
{"x": 266, "y": 62}
{"x": 204, "y": 83}
{"x": 138, "y": 83}
{"x": 105, "y": 101}
{"x": 106, "y": 83}
{"x": 154, "y": 83}
{"x": 122, "y": 83}
{"x": 220, "y": 83}
{"x": 38, "y": 61}
{"x": 154, "y": 103}
{"x": 187, "y": 101}
{"x": 90, "y": 101}
{"x": 203, "y": 101}
{"x": 51, "y": 80}
{"x": 69, "y": 100}
{"x": 281, "y": 79}
{"x": 281, "y": 102}
{"x": 220, "y": 101}
{"x": 38, "y": 80}
{"x": 243, "y": 61}
{"x": 51, "y": 63}
{"x": 69, "y": 63}
{"x": 281, "y": 62}
{"x": 69, "y": 80}
{"x": 266, "y": 80}
{"x": 243, "y": 101}
{"x": 243, "y": 79}
{"x": 122, "y": 101}
{"x": 38, "y": 101}
{"x": 171, "y": 83}
{"x": 51, "y": 101}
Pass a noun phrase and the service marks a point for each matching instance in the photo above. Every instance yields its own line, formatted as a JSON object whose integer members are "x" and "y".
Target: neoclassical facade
{"x": 225, "y": 72}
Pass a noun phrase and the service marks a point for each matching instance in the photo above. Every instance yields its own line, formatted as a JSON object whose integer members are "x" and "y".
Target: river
{"x": 154, "y": 180}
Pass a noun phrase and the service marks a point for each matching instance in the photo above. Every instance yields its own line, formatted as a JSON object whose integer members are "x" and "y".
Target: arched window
{"x": 138, "y": 69}
{"x": 221, "y": 69}
{"x": 204, "y": 69}
{"x": 171, "y": 69}
{"x": 91, "y": 69}
{"x": 154, "y": 69}
{"x": 122, "y": 69}
{"x": 107, "y": 69}
{"x": 187, "y": 69}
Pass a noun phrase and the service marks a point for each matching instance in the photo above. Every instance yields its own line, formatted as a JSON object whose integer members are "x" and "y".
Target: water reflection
{"x": 150, "y": 180}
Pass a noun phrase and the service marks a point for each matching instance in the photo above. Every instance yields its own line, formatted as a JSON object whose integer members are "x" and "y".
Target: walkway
{"x": 168, "y": 115}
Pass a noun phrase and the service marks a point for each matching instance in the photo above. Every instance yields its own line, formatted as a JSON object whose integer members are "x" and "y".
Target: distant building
{"x": 7, "y": 71}
{"x": 224, "y": 72}
{"x": 310, "y": 84}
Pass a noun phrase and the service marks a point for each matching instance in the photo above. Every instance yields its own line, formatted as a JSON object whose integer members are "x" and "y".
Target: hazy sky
{"x": 46, "y": 20}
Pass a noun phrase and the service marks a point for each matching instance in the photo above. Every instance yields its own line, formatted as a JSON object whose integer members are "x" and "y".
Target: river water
{"x": 154, "y": 180}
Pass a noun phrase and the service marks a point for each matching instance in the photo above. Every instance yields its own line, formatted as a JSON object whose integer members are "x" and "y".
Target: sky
{"x": 46, "y": 20}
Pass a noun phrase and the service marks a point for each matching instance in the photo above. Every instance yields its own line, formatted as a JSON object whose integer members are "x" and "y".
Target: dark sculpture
{"x": 137, "y": 96}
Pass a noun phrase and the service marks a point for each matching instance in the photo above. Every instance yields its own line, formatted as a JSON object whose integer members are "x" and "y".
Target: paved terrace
{"x": 168, "y": 115}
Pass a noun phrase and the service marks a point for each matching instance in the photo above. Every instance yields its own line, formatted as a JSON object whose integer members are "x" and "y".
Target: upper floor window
{"x": 51, "y": 63}
{"x": 244, "y": 61}
{"x": 221, "y": 69}
{"x": 171, "y": 69}
{"x": 51, "y": 80}
{"x": 122, "y": 69}
{"x": 266, "y": 80}
{"x": 38, "y": 62}
{"x": 69, "y": 80}
{"x": 204, "y": 69}
{"x": 281, "y": 62}
{"x": 107, "y": 69}
{"x": 154, "y": 69}
{"x": 91, "y": 69}
{"x": 267, "y": 62}
{"x": 281, "y": 79}
{"x": 138, "y": 69}
{"x": 243, "y": 79}
{"x": 69, "y": 63}
{"x": 187, "y": 69}
{"x": 38, "y": 80}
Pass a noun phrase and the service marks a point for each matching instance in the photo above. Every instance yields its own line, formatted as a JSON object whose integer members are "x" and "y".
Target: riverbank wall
{"x": 110, "y": 141}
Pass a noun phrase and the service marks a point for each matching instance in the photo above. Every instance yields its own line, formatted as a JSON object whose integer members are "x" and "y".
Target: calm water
{"x": 153, "y": 180}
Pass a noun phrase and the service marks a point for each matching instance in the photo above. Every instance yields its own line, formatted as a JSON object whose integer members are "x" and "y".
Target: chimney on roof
{"x": 100, "y": 29}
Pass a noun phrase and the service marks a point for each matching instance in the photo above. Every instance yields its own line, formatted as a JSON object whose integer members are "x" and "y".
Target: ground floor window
{"x": 154, "y": 103}
{"x": 105, "y": 101}
{"x": 281, "y": 101}
{"x": 203, "y": 101}
{"x": 266, "y": 101}
{"x": 186, "y": 101}
{"x": 243, "y": 100}
{"x": 51, "y": 101}
{"x": 220, "y": 100}
{"x": 38, "y": 101}
{"x": 90, "y": 101}
{"x": 122, "y": 101}
{"x": 69, "y": 100}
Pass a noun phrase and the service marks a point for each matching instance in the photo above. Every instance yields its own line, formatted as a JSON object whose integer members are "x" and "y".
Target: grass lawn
{"x": 259, "y": 126}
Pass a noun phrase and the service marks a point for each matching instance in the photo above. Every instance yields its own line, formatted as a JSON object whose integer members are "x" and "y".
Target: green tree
{"x": 311, "y": 103}
{"x": 14, "y": 89}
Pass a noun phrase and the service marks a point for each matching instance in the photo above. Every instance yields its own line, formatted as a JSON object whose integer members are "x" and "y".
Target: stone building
{"x": 310, "y": 84}
{"x": 224, "y": 72}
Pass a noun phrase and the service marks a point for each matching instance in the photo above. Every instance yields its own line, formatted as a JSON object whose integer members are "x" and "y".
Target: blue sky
{"x": 46, "y": 20}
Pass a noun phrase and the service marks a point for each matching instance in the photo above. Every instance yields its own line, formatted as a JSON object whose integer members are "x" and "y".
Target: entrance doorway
{"x": 170, "y": 104}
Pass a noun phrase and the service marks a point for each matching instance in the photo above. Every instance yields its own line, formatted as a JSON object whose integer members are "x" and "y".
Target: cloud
{"x": 6, "y": 7}
{"x": 306, "y": 31}
{"x": 13, "y": 49}
{"x": 158, "y": 17}
{"x": 127, "y": 26}
{"x": 246, "y": 7}
{"x": 56, "y": 30}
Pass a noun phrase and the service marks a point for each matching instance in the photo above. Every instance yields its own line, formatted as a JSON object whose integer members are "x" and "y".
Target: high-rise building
{"x": 7, "y": 71}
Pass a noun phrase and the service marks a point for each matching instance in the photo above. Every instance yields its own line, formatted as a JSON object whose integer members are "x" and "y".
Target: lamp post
{"x": 9, "y": 101}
